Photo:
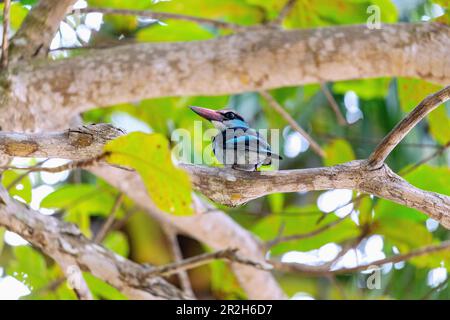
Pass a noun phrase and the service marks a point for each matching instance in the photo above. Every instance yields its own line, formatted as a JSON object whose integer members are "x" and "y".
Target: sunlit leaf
{"x": 338, "y": 151}
{"x": 174, "y": 30}
{"x": 168, "y": 186}
{"x": 365, "y": 89}
{"x": 116, "y": 241}
{"x": 22, "y": 188}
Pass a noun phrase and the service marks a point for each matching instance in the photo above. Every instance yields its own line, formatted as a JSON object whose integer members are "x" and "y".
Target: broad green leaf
{"x": 17, "y": 14}
{"x": 174, "y": 30}
{"x": 224, "y": 283}
{"x": 21, "y": 189}
{"x": 412, "y": 91}
{"x": 307, "y": 14}
{"x": 81, "y": 198}
{"x": 236, "y": 11}
{"x": 2, "y": 241}
{"x": 29, "y": 267}
{"x": 403, "y": 233}
{"x": 365, "y": 89}
{"x": 439, "y": 121}
{"x": 300, "y": 221}
{"x": 117, "y": 242}
{"x": 102, "y": 290}
{"x": 338, "y": 151}
{"x": 168, "y": 186}
{"x": 276, "y": 201}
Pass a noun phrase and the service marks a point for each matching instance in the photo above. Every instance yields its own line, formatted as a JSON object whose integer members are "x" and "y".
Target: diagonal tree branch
{"x": 248, "y": 61}
{"x": 67, "y": 246}
{"x": 286, "y": 116}
{"x": 38, "y": 29}
{"x": 325, "y": 270}
{"x": 287, "y": 8}
{"x": 397, "y": 134}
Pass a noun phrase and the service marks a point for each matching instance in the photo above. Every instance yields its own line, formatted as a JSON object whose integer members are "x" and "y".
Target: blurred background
{"x": 347, "y": 119}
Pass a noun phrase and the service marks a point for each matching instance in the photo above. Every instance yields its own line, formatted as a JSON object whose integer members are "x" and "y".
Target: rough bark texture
{"x": 83, "y": 142}
{"x": 66, "y": 245}
{"x": 231, "y": 187}
{"x": 397, "y": 134}
{"x": 253, "y": 60}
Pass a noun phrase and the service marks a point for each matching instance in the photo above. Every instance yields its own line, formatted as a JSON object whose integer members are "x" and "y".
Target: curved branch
{"x": 397, "y": 134}
{"x": 232, "y": 188}
{"x": 68, "y": 247}
{"x": 248, "y": 61}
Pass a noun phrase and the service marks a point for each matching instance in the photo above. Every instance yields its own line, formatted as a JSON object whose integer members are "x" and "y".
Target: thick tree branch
{"x": 81, "y": 143}
{"x": 67, "y": 246}
{"x": 397, "y": 134}
{"x": 231, "y": 187}
{"x": 249, "y": 61}
{"x": 38, "y": 29}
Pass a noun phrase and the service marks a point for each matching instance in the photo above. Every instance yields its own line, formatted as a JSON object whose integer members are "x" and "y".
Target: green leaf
{"x": 117, "y": 242}
{"x": 412, "y": 91}
{"x": 276, "y": 201}
{"x": 174, "y": 30}
{"x": 439, "y": 121}
{"x": 168, "y": 186}
{"x": 21, "y": 189}
{"x": 404, "y": 234}
{"x": 102, "y": 290}
{"x": 365, "y": 89}
{"x": 17, "y": 14}
{"x": 236, "y": 11}
{"x": 29, "y": 267}
{"x": 338, "y": 151}
{"x": 300, "y": 221}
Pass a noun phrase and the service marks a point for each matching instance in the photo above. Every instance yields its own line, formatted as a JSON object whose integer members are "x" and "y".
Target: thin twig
{"x": 5, "y": 43}
{"x": 397, "y": 134}
{"x": 68, "y": 166}
{"x": 193, "y": 262}
{"x": 325, "y": 270}
{"x": 300, "y": 236}
{"x": 280, "y": 110}
{"x": 284, "y": 12}
{"x": 164, "y": 15}
{"x": 425, "y": 160}
{"x": 23, "y": 175}
{"x": 106, "y": 227}
{"x": 178, "y": 257}
{"x": 333, "y": 104}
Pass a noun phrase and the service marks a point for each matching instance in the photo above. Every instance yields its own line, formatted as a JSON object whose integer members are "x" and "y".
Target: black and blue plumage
{"x": 237, "y": 145}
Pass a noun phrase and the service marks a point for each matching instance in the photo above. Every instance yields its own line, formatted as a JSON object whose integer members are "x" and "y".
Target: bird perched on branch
{"x": 237, "y": 145}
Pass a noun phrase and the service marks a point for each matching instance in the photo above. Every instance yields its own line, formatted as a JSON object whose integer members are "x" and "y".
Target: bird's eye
{"x": 230, "y": 115}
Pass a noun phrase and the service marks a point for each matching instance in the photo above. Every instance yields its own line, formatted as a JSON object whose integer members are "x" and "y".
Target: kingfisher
{"x": 237, "y": 145}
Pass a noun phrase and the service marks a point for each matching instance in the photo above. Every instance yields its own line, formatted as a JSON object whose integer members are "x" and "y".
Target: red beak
{"x": 208, "y": 114}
